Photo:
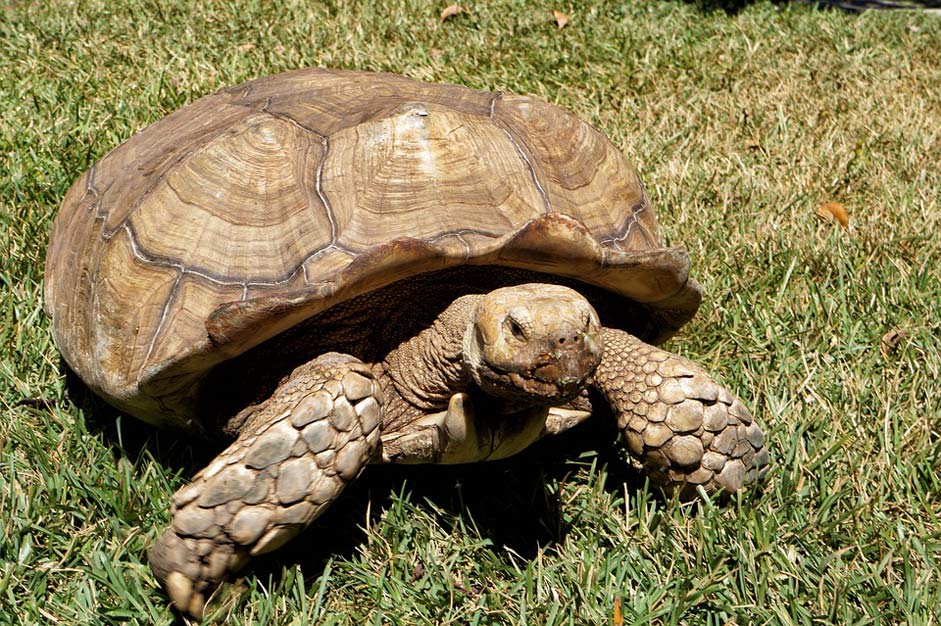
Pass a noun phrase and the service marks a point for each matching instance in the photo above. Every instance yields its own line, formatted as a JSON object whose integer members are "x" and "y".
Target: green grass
{"x": 741, "y": 124}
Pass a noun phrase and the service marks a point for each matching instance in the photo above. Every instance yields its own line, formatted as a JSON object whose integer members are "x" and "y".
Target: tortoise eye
{"x": 515, "y": 329}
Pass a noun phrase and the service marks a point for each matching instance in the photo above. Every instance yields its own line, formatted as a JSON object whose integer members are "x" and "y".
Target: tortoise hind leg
{"x": 293, "y": 457}
{"x": 683, "y": 427}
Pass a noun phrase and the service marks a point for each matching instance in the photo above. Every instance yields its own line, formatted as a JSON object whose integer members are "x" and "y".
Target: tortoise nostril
{"x": 575, "y": 338}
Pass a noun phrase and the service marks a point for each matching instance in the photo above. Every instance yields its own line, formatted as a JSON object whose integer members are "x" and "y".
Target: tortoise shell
{"x": 257, "y": 207}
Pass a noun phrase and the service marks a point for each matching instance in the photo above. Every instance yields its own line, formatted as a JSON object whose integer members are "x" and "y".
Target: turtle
{"x": 331, "y": 269}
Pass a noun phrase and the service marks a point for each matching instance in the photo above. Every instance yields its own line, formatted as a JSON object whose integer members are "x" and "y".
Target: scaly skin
{"x": 294, "y": 456}
{"x": 683, "y": 427}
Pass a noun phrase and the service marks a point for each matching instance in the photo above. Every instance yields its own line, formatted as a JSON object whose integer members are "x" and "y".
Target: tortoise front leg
{"x": 682, "y": 426}
{"x": 293, "y": 457}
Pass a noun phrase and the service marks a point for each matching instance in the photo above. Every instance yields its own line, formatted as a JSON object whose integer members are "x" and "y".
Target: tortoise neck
{"x": 428, "y": 369}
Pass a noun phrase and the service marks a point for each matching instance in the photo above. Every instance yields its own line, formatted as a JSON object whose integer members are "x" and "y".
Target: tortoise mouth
{"x": 536, "y": 385}
{"x": 557, "y": 391}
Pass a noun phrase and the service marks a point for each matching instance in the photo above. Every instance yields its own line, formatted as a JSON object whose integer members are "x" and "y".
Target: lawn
{"x": 741, "y": 124}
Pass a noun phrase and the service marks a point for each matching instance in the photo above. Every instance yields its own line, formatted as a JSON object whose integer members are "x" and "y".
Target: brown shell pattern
{"x": 259, "y": 198}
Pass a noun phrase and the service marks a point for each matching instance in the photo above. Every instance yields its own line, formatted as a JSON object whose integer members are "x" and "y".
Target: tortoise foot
{"x": 683, "y": 427}
{"x": 293, "y": 457}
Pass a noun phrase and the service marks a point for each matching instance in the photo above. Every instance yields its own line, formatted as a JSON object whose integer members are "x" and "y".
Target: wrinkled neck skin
{"x": 429, "y": 368}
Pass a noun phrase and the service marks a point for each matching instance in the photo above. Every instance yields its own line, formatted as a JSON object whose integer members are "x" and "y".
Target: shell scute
{"x": 471, "y": 178}
{"x": 127, "y": 325}
{"x": 328, "y": 101}
{"x": 242, "y": 209}
{"x": 599, "y": 187}
{"x": 127, "y": 174}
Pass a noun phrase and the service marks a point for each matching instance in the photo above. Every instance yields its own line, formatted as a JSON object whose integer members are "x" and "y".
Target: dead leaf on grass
{"x": 834, "y": 211}
{"x": 618, "y": 617}
{"x": 451, "y": 11}
{"x": 892, "y": 339}
{"x": 561, "y": 19}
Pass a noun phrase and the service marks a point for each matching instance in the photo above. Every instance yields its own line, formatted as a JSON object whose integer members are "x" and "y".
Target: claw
{"x": 180, "y": 590}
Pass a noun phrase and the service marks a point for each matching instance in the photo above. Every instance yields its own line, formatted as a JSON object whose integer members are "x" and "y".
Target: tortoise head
{"x": 533, "y": 344}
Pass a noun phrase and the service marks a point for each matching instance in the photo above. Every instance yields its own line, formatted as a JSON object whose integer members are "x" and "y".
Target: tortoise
{"x": 336, "y": 269}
